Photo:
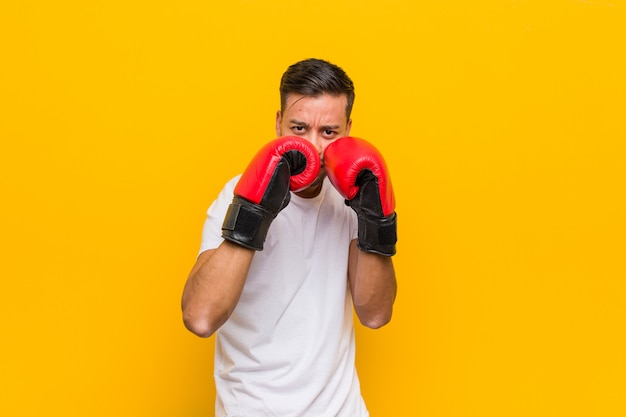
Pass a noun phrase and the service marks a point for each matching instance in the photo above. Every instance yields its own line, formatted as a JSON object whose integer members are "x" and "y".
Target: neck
{"x": 312, "y": 190}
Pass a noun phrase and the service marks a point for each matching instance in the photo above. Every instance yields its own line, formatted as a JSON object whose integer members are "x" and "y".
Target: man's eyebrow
{"x": 304, "y": 124}
{"x": 299, "y": 123}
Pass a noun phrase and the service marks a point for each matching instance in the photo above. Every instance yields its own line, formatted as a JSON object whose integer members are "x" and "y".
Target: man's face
{"x": 321, "y": 120}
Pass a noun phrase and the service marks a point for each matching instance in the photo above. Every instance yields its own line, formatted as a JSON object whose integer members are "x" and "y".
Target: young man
{"x": 286, "y": 255}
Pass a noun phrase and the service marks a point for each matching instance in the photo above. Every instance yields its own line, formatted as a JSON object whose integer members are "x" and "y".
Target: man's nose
{"x": 317, "y": 141}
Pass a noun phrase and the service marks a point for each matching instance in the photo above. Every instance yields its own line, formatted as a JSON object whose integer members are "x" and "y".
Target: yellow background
{"x": 502, "y": 122}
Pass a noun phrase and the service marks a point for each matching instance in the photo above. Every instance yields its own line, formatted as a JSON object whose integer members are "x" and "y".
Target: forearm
{"x": 373, "y": 285}
{"x": 214, "y": 286}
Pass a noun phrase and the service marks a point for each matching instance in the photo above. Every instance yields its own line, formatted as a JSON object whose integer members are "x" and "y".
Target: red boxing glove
{"x": 358, "y": 172}
{"x": 286, "y": 163}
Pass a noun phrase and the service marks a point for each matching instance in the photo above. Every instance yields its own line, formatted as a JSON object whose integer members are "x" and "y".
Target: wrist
{"x": 246, "y": 224}
{"x": 378, "y": 234}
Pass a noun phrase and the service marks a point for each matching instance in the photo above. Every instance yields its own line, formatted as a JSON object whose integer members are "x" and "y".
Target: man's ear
{"x": 279, "y": 119}
{"x": 348, "y": 127}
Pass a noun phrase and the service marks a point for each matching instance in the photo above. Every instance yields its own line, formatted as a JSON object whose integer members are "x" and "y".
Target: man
{"x": 285, "y": 258}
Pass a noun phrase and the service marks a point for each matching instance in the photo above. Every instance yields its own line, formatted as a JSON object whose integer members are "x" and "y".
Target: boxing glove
{"x": 358, "y": 171}
{"x": 286, "y": 163}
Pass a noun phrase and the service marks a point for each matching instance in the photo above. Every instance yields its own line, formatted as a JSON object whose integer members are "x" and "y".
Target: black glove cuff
{"x": 378, "y": 235}
{"x": 246, "y": 224}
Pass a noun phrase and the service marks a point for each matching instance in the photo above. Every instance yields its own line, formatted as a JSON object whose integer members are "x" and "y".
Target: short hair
{"x": 314, "y": 77}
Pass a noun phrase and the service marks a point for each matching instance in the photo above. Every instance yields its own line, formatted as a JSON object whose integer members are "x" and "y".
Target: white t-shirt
{"x": 288, "y": 348}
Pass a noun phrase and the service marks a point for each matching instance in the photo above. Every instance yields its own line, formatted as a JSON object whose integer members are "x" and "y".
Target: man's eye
{"x": 297, "y": 128}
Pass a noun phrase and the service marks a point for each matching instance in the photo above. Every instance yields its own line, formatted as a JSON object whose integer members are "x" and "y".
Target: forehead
{"x": 324, "y": 106}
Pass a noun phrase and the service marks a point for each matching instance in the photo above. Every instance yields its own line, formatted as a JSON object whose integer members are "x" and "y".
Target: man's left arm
{"x": 373, "y": 286}
{"x": 358, "y": 171}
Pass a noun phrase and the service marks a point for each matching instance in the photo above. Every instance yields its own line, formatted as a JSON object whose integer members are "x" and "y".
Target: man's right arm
{"x": 216, "y": 281}
{"x": 214, "y": 286}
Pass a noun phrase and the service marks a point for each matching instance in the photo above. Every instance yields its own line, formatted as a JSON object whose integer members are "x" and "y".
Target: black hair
{"x": 314, "y": 77}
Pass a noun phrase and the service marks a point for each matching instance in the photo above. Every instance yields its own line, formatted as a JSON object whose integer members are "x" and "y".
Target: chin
{"x": 314, "y": 188}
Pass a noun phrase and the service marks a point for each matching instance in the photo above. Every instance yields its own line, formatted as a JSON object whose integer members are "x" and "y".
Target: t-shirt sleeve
{"x": 354, "y": 229}
{"x": 212, "y": 229}
{"x": 354, "y": 225}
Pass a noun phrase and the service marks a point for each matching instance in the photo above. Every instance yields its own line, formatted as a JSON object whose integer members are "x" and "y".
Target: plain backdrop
{"x": 503, "y": 125}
